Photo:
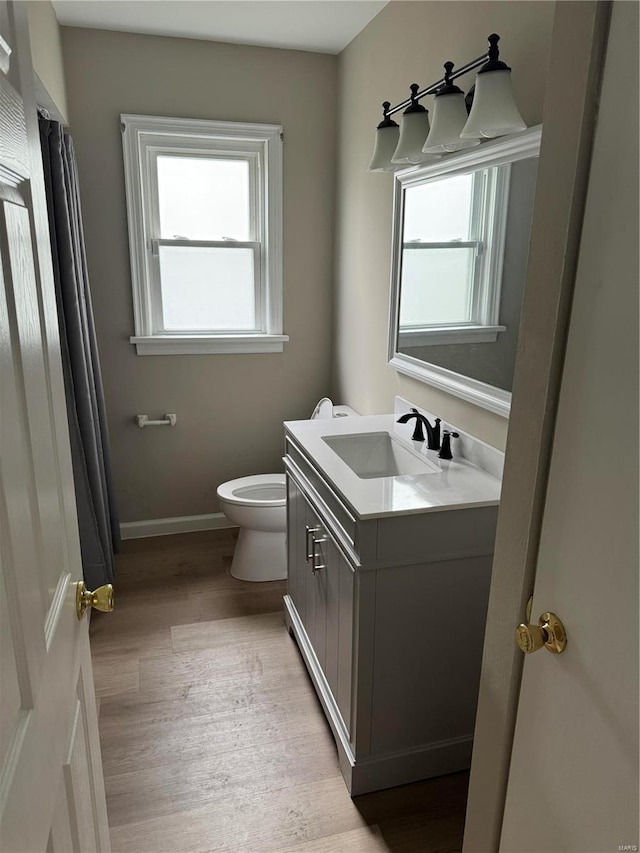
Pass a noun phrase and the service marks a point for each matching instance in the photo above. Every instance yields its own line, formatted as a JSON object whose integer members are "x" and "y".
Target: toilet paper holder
{"x": 168, "y": 420}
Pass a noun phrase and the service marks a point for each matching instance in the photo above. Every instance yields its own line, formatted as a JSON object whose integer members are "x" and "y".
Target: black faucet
{"x": 433, "y": 430}
{"x": 433, "y": 434}
{"x": 445, "y": 453}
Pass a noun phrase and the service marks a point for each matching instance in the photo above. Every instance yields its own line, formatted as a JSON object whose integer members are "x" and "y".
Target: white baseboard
{"x": 166, "y": 526}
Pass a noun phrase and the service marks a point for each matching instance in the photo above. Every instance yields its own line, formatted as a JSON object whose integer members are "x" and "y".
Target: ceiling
{"x": 324, "y": 26}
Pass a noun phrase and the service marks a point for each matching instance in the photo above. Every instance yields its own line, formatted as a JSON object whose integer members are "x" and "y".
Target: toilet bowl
{"x": 258, "y": 505}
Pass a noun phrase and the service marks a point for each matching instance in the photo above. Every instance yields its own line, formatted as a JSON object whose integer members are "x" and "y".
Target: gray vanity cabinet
{"x": 389, "y": 615}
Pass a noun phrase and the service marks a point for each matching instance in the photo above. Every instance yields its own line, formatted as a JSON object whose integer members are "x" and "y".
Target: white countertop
{"x": 459, "y": 484}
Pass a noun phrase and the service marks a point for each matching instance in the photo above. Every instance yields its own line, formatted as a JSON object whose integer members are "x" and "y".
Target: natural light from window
{"x": 206, "y": 287}
{"x": 202, "y": 198}
{"x": 204, "y": 211}
{"x": 437, "y": 281}
{"x": 439, "y": 211}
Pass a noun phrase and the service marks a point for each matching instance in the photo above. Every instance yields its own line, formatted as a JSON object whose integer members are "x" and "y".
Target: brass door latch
{"x": 549, "y": 632}
{"x": 101, "y": 599}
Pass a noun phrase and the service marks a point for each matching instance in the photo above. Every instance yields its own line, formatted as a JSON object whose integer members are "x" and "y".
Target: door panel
{"x": 332, "y": 607}
{"x": 77, "y": 783}
{"x": 20, "y": 556}
{"x": 31, "y": 355}
{"x": 60, "y": 837}
{"x": 324, "y": 600}
{"x": 310, "y": 595}
{"x": 573, "y": 779}
{"x": 295, "y": 547}
{"x": 345, "y": 640}
{"x": 315, "y": 606}
{"x": 51, "y": 786}
{"x": 10, "y": 698}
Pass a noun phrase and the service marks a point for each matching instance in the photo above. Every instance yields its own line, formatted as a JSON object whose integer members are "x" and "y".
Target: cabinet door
{"x": 329, "y": 612}
{"x": 321, "y": 585}
{"x": 308, "y": 546}
{"x": 296, "y": 562}
{"x": 344, "y": 619}
{"x": 332, "y": 606}
{"x": 316, "y": 583}
{"x": 337, "y": 588}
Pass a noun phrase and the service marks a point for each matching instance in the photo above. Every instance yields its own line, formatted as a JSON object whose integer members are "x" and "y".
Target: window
{"x": 451, "y": 259}
{"x": 204, "y": 204}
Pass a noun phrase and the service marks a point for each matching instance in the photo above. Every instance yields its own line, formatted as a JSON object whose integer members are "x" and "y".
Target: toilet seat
{"x": 258, "y": 490}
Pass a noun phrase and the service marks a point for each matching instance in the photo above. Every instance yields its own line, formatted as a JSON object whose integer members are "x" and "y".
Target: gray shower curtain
{"x": 95, "y": 497}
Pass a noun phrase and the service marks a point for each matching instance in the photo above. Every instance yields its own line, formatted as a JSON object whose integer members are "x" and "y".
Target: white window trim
{"x": 142, "y": 137}
{"x": 489, "y": 223}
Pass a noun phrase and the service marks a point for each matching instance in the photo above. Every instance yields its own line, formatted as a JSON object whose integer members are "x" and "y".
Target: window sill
{"x": 207, "y": 344}
{"x": 450, "y": 335}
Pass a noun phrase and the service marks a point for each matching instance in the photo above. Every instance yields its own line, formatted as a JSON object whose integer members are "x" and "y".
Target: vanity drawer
{"x": 338, "y": 514}
{"x": 436, "y": 536}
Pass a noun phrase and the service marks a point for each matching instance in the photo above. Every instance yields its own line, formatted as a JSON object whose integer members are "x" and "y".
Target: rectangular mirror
{"x": 460, "y": 245}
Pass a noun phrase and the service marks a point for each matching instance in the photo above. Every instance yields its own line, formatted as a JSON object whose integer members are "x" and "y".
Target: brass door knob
{"x": 549, "y": 632}
{"x": 100, "y": 599}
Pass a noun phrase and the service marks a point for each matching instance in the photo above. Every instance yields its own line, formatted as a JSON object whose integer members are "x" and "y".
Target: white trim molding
{"x": 201, "y": 345}
{"x": 492, "y": 152}
{"x": 143, "y": 139}
{"x": 487, "y": 396}
{"x": 167, "y": 526}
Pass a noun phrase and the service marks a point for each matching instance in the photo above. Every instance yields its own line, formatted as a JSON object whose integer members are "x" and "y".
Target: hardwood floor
{"x": 212, "y": 736}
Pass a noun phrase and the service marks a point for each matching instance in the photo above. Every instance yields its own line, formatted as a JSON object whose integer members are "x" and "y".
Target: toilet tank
{"x": 326, "y": 409}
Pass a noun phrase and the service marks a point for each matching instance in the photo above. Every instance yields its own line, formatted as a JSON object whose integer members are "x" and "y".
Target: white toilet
{"x": 258, "y": 505}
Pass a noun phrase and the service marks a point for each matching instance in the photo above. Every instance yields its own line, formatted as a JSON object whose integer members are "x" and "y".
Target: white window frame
{"x": 144, "y": 138}
{"x": 488, "y": 223}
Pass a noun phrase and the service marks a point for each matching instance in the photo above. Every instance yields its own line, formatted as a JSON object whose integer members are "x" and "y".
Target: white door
{"x": 573, "y": 780}
{"x": 51, "y": 786}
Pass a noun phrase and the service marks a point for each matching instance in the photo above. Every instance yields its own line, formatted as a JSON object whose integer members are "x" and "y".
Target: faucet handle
{"x": 445, "y": 451}
{"x": 435, "y": 444}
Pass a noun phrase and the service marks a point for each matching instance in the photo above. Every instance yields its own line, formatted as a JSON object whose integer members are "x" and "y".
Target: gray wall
{"x": 230, "y": 407}
{"x": 493, "y": 362}
{"x": 46, "y": 55}
{"x": 407, "y": 42}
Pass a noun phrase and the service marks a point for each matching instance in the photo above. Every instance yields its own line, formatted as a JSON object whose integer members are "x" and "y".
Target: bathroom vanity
{"x": 389, "y": 562}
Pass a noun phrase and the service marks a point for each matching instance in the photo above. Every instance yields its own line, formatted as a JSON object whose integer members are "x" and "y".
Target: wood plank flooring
{"x": 212, "y": 736}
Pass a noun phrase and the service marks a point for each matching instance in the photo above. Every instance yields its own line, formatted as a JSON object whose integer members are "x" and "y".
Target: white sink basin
{"x": 378, "y": 454}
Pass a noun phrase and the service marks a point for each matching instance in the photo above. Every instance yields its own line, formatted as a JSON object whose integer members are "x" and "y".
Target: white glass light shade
{"x": 449, "y": 117}
{"x": 385, "y": 146}
{"x": 413, "y": 133}
{"x": 494, "y": 111}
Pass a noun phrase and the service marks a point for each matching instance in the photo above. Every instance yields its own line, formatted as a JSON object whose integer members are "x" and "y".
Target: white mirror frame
{"x": 498, "y": 152}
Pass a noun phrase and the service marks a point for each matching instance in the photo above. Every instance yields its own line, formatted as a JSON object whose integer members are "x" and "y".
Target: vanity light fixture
{"x": 449, "y": 117}
{"x": 387, "y": 135}
{"x": 494, "y": 113}
{"x": 413, "y": 132}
